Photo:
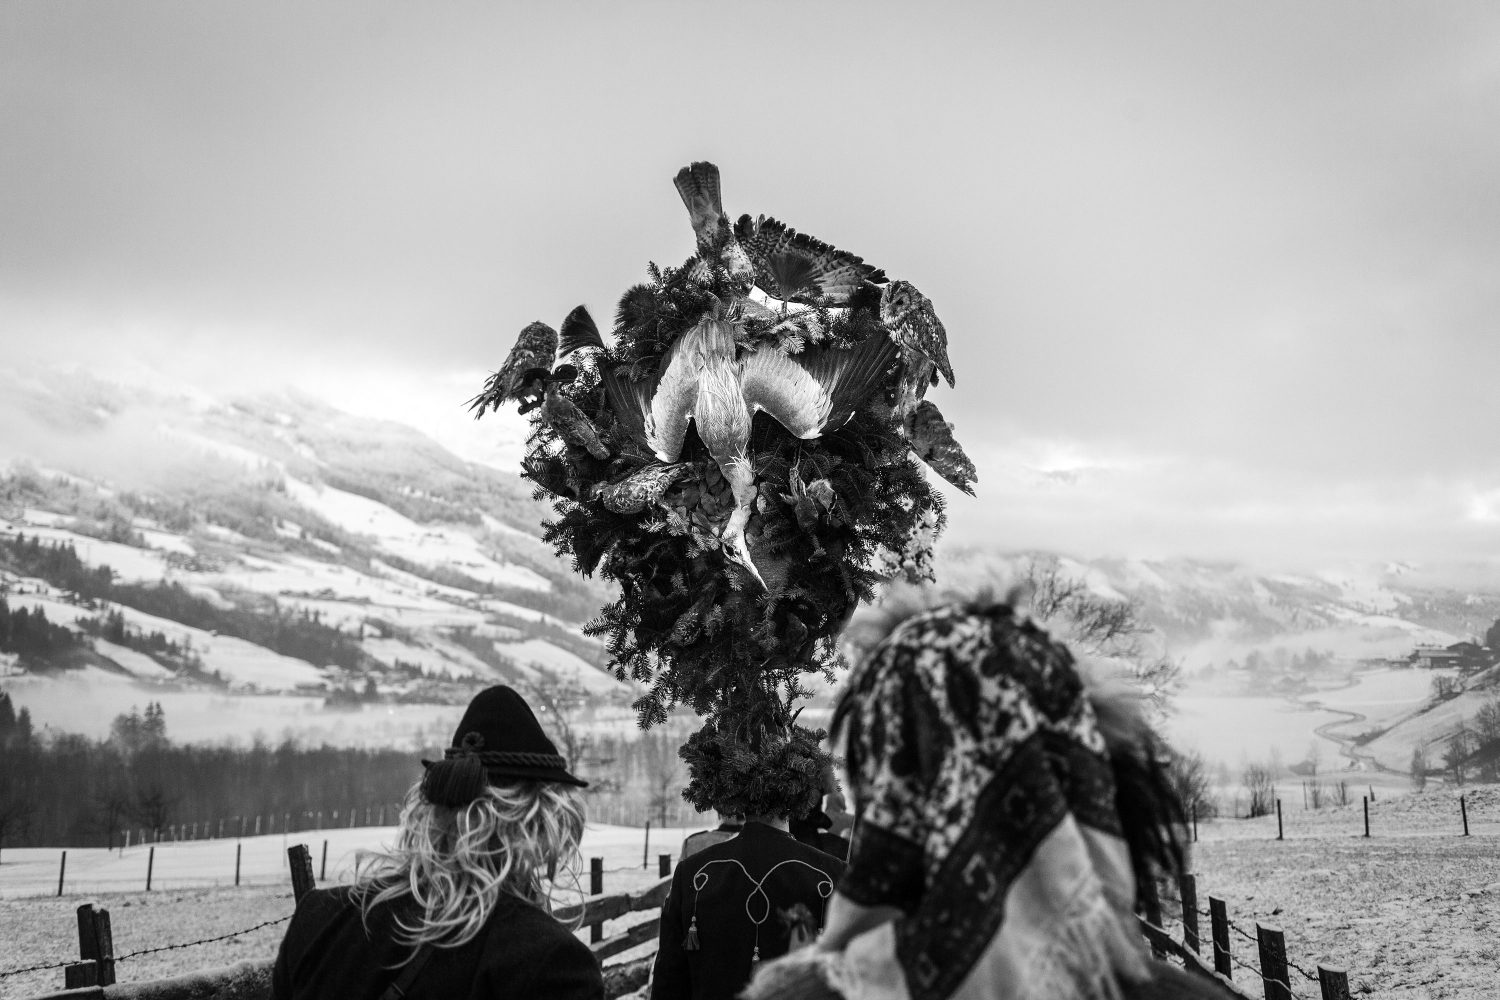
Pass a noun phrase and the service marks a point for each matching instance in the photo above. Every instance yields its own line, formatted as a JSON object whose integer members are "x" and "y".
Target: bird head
{"x": 737, "y": 551}
{"x": 898, "y": 300}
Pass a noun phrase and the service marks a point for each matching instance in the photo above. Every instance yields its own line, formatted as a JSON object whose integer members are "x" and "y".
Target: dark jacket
{"x": 695, "y": 842}
{"x": 521, "y": 952}
{"x": 741, "y": 893}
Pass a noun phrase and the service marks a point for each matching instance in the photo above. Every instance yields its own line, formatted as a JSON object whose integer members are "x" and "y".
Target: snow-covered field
{"x": 32, "y": 871}
{"x": 87, "y": 701}
{"x": 193, "y": 897}
{"x": 1412, "y": 912}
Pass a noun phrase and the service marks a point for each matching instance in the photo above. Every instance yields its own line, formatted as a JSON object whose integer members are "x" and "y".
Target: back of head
{"x": 1151, "y": 816}
{"x": 495, "y": 817}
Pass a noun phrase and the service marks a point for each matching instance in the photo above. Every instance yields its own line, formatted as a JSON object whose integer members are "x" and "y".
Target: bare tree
{"x": 1099, "y": 625}
{"x": 561, "y": 702}
{"x": 1445, "y": 687}
{"x": 1261, "y": 787}
{"x": 1189, "y": 777}
{"x": 663, "y": 771}
{"x": 1455, "y": 756}
{"x": 1419, "y": 767}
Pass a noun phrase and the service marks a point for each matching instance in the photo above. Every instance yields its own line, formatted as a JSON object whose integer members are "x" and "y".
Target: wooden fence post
{"x": 664, "y": 865}
{"x": 1279, "y": 834}
{"x": 237, "y": 849}
{"x": 323, "y": 869}
{"x": 596, "y": 888}
{"x": 150, "y": 864}
{"x": 1151, "y": 902}
{"x": 1273, "y": 970}
{"x": 1195, "y": 821}
{"x": 62, "y": 869}
{"x": 1367, "y": 815}
{"x": 96, "y": 950}
{"x": 1464, "y": 811}
{"x": 300, "y": 859}
{"x": 646, "y": 849}
{"x": 1334, "y": 982}
{"x": 1187, "y": 892}
{"x": 1218, "y": 918}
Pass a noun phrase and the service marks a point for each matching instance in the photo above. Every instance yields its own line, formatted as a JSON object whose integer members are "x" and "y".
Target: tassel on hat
{"x": 454, "y": 782}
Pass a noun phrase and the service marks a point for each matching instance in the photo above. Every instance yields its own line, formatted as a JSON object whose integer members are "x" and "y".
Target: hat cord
{"x": 512, "y": 758}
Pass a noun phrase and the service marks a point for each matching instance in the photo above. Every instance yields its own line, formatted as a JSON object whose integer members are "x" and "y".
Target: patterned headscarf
{"x": 987, "y": 807}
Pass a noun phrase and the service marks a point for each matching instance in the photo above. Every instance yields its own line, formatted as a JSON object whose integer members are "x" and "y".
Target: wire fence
{"x": 1255, "y": 970}
{"x": 595, "y": 871}
{"x": 6, "y": 973}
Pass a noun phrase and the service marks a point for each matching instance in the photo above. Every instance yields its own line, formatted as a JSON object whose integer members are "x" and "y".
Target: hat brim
{"x": 500, "y": 775}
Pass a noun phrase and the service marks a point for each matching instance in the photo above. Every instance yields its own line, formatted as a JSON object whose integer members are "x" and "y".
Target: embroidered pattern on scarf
{"x": 971, "y": 738}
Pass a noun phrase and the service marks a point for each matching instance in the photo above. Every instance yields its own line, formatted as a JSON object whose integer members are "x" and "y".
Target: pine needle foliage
{"x": 834, "y": 518}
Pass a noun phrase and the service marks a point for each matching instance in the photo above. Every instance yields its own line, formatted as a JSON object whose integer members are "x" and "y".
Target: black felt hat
{"x": 499, "y": 739}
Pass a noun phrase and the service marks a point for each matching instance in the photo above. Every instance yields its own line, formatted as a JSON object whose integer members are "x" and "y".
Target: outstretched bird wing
{"x": 815, "y": 391}
{"x": 578, "y": 332}
{"x": 655, "y": 411}
{"x": 931, "y": 437}
{"x": 529, "y": 360}
{"x": 795, "y": 267}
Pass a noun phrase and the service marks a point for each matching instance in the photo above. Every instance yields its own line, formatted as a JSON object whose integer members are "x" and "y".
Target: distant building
{"x": 1463, "y": 656}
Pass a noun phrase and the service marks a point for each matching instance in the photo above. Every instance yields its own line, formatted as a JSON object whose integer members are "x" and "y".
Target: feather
{"x": 642, "y": 487}
{"x": 817, "y": 390}
{"x": 931, "y": 437}
{"x": 520, "y": 377}
{"x": 639, "y": 309}
{"x": 795, "y": 267}
{"x": 630, "y": 401}
{"x": 916, "y": 329}
{"x": 574, "y": 428}
{"x": 578, "y": 332}
{"x": 698, "y": 185}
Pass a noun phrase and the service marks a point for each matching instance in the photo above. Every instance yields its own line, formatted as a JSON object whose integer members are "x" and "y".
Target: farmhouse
{"x": 1464, "y": 656}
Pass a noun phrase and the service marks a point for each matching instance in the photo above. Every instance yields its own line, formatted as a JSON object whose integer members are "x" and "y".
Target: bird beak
{"x": 739, "y": 553}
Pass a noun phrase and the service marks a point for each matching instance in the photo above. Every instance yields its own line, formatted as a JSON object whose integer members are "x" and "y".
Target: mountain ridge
{"x": 435, "y": 566}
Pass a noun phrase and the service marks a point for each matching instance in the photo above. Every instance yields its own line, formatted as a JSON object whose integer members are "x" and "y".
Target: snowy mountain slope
{"x": 1212, "y": 612}
{"x": 422, "y": 572}
{"x": 433, "y": 571}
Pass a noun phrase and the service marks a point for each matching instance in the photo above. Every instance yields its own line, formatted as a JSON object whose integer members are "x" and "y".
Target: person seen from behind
{"x": 1010, "y": 813}
{"x": 457, "y": 907}
{"x": 750, "y": 898}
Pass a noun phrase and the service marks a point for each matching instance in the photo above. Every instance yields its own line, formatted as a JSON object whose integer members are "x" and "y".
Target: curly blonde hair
{"x": 455, "y": 863}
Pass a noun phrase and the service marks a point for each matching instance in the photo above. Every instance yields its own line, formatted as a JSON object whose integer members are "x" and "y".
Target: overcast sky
{"x": 1219, "y": 279}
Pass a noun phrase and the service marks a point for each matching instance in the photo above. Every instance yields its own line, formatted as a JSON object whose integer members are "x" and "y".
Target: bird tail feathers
{"x": 698, "y": 184}
{"x": 578, "y": 331}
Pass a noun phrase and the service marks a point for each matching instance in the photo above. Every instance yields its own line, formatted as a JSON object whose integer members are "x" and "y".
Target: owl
{"x": 523, "y": 377}
{"x": 914, "y": 326}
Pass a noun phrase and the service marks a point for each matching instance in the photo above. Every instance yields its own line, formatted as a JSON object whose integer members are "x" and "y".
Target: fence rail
{"x": 93, "y": 975}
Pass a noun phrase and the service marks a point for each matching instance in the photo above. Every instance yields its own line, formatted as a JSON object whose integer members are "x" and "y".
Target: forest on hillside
{"x": 66, "y": 790}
